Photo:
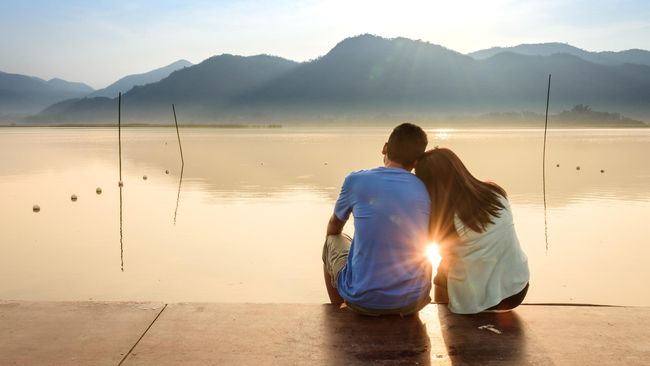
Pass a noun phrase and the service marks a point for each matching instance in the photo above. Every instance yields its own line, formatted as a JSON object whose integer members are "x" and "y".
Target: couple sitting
{"x": 384, "y": 269}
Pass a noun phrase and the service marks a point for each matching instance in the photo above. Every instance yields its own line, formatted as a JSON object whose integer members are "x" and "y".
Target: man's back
{"x": 387, "y": 267}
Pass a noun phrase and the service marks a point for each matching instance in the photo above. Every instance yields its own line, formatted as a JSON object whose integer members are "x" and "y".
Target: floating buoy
{"x": 98, "y": 190}
{"x": 325, "y": 163}
{"x": 602, "y": 171}
{"x": 557, "y": 165}
{"x": 36, "y": 208}
{"x": 120, "y": 184}
{"x": 166, "y": 171}
{"x": 578, "y": 168}
{"x": 144, "y": 177}
{"x": 73, "y": 198}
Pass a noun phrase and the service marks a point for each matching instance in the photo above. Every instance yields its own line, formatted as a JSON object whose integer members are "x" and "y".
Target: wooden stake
{"x": 548, "y": 95}
{"x": 119, "y": 130}
{"x": 180, "y": 147}
{"x": 180, "y": 179}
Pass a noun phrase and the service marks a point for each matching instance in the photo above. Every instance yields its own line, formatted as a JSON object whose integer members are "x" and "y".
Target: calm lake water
{"x": 248, "y": 222}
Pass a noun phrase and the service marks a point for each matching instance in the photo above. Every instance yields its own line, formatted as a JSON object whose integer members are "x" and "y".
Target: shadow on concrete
{"x": 353, "y": 339}
{"x": 484, "y": 338}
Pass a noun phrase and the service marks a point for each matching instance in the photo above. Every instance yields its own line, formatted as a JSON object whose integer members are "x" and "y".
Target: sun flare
{"x": 433, "y": 253}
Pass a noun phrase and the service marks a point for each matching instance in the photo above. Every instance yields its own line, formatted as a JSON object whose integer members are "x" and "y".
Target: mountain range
{"x": 27, "y": 95}
{"x": 633, "y": 56}
{"x": 126, "y": 83}
{"x": 372, "y": 78}
{"x": 20, "y": 94}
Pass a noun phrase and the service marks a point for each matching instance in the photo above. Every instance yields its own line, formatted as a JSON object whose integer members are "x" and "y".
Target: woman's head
{"x": 455, "y": 191}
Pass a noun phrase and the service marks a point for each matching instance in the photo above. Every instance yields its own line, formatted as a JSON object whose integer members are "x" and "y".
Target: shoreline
{"x": 280, "y": 126}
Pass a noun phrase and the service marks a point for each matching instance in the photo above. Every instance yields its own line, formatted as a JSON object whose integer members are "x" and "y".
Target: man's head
{"x": 405, "y": 145}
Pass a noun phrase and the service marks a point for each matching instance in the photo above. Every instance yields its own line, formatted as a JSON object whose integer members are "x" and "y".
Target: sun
{"x": 433, "y": 253}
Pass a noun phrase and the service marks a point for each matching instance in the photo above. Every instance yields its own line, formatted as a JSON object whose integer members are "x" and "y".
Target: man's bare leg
{"x": 333, "y": 293}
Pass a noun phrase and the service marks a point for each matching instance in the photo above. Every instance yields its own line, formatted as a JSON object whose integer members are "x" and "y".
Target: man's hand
{"x": 335, "y": 225}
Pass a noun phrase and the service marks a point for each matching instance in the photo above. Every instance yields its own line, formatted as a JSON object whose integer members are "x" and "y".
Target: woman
{"x": 483, "y": 266}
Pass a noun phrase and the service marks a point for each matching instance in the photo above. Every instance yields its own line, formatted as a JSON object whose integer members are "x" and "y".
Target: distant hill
{"x": 633, "y": 56}
{"x": 22, "y": 95}
{"x": 371, "y": 78}
{"x": 200, "y": 92}
{"x": 583, "y": 114}
{"x": 578, "y": 116}
{"x": 126, "y": 83}
{"x": 69, "y": 86}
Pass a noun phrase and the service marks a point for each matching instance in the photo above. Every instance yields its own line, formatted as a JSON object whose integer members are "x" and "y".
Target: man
{"x": 384, "y": 268}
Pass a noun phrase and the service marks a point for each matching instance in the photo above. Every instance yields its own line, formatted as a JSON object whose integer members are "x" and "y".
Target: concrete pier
{"x": 127, "y": 333}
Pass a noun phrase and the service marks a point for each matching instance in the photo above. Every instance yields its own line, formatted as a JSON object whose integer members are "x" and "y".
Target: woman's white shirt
{"x": 487, "y": 267}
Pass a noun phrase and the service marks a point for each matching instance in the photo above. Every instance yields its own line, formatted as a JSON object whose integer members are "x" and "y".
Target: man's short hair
{"x": 406, "y": 144}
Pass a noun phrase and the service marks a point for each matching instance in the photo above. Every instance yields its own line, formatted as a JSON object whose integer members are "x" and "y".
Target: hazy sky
{"x": 99, "y": 41}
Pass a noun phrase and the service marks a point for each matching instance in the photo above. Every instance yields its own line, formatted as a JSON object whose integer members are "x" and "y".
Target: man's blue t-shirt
{"x": 387, "y": 266}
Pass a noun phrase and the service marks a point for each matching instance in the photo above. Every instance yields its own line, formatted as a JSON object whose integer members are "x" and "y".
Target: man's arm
{"x": 342, "y": 208}
{"x": 335, "y": 225}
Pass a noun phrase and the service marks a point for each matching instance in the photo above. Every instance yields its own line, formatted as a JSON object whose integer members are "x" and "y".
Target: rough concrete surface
{"x": 71, "y": 333}
{"x": 587, "y": 335}
{"x": 294, "y": 334}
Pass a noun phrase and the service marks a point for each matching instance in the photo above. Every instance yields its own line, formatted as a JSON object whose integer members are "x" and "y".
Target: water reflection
{"x": 441, "y": 134}
{"x": 271, "y": 192}
{"x": 178, "y": 195}
{"x": 121, "y": 233}
{"x": 231, "y": 164}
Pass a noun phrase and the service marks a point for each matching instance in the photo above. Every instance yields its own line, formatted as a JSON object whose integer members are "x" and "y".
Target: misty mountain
{"x": 369, "y": 71}
{"x": 371, "y": 78}
{"x": 633, "y": 56}
{"x": 126, "y": 83}
{"x": 200, "y": 92}
{"x": 21, "y": 94}
{"x": 69, "y": 86}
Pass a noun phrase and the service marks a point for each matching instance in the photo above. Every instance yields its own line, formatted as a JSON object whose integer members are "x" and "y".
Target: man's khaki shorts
{"x": 335, "y": 255}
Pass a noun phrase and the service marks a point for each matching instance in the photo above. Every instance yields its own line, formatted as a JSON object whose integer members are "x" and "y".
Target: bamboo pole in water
{"x": 548, "y": 95}
{"x": 180, "y": 147}
{"x": 119, "y": 142}
{"x": 180, "y": 179}
{"x": 119, "y": 131}
{"x": 178, "y": 195}
{"x": 121, "y": 235}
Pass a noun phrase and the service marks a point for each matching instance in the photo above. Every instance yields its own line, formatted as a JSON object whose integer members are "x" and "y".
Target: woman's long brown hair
{"x": 455, "y": 191}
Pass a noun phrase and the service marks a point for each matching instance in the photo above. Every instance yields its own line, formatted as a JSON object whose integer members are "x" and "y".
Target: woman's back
{"x": 486, "y": 267}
